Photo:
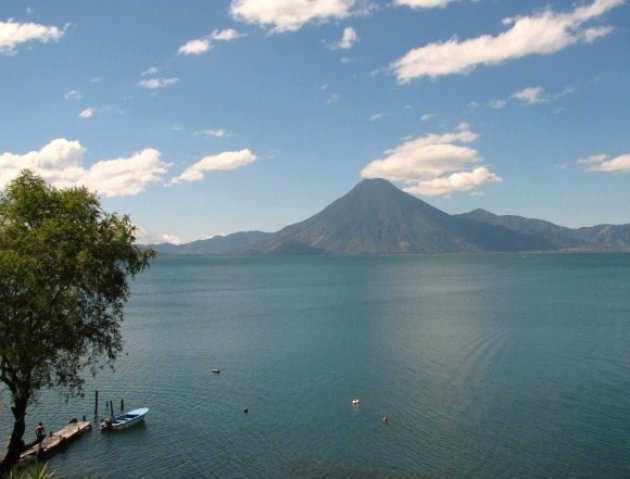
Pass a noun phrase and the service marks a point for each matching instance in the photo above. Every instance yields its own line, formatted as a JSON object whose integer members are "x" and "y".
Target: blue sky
{"x": 210, "y": 117}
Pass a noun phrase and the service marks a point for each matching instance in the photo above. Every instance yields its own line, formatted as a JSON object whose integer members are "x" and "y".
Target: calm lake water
{"x": 489, "y": 366}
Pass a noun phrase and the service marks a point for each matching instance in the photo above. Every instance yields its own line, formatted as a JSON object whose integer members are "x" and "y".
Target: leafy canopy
{"x": 64, "y": 265}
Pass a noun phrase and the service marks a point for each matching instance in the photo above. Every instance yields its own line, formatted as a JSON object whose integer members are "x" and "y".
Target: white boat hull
{"x": 125, "y": 421}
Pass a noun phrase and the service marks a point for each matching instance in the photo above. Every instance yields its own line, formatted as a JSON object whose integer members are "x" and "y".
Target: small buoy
{"x": 216, "y": 371}
{"x": 246, "y": 410}
{"x": 356, "y": 402}
{"x": 385, "y": 419}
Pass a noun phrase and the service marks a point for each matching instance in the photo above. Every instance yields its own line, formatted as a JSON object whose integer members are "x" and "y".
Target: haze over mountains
{"x": 376, "y": 217}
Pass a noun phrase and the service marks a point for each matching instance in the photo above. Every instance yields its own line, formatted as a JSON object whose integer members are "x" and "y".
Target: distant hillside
{"x": 375, "y": 217}
{"x": 601, "y": 238}
{"x": 217, "y": 245}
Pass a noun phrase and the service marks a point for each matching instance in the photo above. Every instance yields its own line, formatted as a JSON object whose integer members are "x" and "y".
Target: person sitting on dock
{"x": 40, "y": 432}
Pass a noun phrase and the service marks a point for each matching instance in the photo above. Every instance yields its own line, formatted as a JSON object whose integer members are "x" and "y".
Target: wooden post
{"x": 122, "y": 405}
{"x": 111, "y": 407}
{"x": 96, "y": 403}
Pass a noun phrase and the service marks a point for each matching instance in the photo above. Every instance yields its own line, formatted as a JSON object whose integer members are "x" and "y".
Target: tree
{"x": 64, "y": 269}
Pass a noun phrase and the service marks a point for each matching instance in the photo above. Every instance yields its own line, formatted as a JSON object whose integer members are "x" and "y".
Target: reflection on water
{"x": 486, "y": 366}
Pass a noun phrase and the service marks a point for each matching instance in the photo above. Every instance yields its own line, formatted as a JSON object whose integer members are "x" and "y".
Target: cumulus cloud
{"x": 289, "y": 15}
{"x": 155, "y": 83}
{"x": 87, "y": 113}
{"x": 195, "y": 47}
{"x": 603, "y": 163}
{"x": 13, "y": 34}
{"x": 531, "y": 95}
{"x": 203, "y": 44}
{"x": 422, "y": 3}
{"x": 125, "y": 176}
{"x": 60, "y": 163}
{"x": 543, "y": 33}
{"x": 434, "y": 165}
{"x": 145, "y": 236}
{"x": 348, "y": 39}
{"x": 228, "y": 160}
{"x": 456, "y": 182}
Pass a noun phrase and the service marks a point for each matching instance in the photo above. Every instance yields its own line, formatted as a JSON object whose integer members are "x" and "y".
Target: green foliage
{"x": 37, "y": 471}
{"x": 64, "y": 266}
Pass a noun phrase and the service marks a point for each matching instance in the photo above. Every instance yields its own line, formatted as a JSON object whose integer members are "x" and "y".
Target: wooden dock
{"x": 57, "y": 440}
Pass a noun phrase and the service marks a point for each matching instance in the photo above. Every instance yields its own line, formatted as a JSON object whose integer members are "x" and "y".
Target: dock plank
{"x": 58, "y": 438}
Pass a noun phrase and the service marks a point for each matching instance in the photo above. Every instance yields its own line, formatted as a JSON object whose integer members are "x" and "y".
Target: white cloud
{"x": 427, "y": 116}
{"x": 13, "y": 34}
{"x": 195, "y": 47}
{"x": 289, "y": 15}
{"x": 151, "y": 71}
{"x": 424, "y": 157}
{"x": 531, "y": 95}
{"x": 226, "y": 35}
{"x": 217, "y": 133}
{"x": 434, "y": 165}
{"x": 456, "y": 182}
{"x": 544, "y": 33}
{"x": 464, "y": 125}
{"x": 154, "y": 83}
{"x": 603, "y": 163}
{"x": 145, "y": 236}
{"x": 422, "y": 3}
{"x": 125, "y": 176}
{"x": 204, "y": 44}
{"x": 87, "y": 113}
{"x": 498, "y": 104}
{"x": 348, "y": 39}
{"x": 228, "y": 160}
{"x": 60, "y": 163}
{"x": 593, "y": 159}
{"x": 169, "y": 238}
{"x": 73, "y": 95}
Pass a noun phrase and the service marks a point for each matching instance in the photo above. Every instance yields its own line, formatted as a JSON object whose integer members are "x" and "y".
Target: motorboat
{"x": 124, "y": 421}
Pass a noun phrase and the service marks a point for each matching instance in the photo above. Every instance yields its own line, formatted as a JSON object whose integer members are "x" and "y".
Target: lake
{"x": 511, "y": 366}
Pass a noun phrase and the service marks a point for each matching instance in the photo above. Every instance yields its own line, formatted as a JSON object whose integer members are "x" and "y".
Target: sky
{"x": 200, "y": 118}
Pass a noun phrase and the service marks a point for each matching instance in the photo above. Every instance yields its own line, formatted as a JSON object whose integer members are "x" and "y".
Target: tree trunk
{"x": 16, "y": 443}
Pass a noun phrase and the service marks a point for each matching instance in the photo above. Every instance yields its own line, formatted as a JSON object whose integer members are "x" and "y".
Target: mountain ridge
{"x": 375, "y": 217}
